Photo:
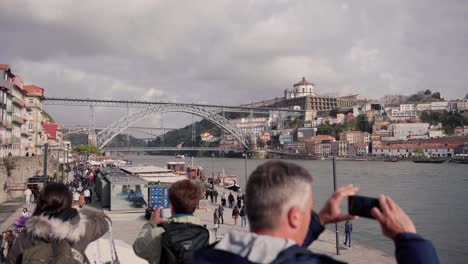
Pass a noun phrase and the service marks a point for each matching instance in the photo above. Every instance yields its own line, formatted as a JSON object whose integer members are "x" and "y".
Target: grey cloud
{"x": 234, "y": 52}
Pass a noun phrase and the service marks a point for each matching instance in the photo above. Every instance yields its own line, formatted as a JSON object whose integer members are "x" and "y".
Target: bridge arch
{"x": 107, "y": 134}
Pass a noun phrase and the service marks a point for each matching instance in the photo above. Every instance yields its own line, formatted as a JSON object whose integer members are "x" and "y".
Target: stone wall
{"x": 16, "y": 170}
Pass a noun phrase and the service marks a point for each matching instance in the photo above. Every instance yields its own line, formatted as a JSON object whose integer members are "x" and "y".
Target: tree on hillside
{"x": 436, "y": 95}
{"x": 466, "y": 96}
{"x": 325, "y": 129}
{"x": 427, "y": 92}
{"x": 87, "y": 149}
{"x": 363, "y": 124}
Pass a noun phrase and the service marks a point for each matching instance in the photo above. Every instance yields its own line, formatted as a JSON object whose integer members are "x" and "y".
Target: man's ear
{"x": 294, "y": 217}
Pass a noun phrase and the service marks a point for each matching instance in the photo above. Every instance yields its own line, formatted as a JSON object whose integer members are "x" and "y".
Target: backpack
{"x": 56, "y": 252}
{"x": 180, "y": 240}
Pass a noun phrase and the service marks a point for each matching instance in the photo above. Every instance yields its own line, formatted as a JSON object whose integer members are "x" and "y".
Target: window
{"x": 31, "y": 100}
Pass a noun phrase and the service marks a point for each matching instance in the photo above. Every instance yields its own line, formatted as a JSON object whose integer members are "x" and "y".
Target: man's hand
{"x": 392, "y": 218}
{"x": 331, "y": 212}
{"x": 156, "y": 216}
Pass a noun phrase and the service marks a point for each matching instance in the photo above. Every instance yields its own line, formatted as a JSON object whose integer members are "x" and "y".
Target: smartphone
{"x": 165, "y": 213}
{"x": 362, "y": 206}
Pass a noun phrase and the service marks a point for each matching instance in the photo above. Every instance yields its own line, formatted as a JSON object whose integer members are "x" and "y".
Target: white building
{"x": 409, "y": 130}
{"x": 440, "y": 106}
{"x": 252, "y": 126}
{"x": 300, "y": 89}
{"x": 462, "y": 106}
{"x": 423, "y": 107}
{"x": 411, "y": 150}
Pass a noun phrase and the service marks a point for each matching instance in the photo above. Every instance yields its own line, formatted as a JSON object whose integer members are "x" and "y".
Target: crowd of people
{"x": 282, "y": 224}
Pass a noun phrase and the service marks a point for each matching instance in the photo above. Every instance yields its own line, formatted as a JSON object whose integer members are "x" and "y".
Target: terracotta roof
{"x": 51, "y": 129}
{"x": 33, "y": 90}
{"x": 448, "y": 146}
{"x": 319, "y": 138}
{"x": 303, "y": 82}
{"x": 18, "y": 81}
{"x": 4, "y": 66}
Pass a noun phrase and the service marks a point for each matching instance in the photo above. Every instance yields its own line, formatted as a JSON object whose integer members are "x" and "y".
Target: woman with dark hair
{"x": 54, "y": 221}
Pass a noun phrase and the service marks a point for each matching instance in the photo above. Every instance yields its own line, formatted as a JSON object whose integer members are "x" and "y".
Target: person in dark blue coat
{"x": 283, "y": 225}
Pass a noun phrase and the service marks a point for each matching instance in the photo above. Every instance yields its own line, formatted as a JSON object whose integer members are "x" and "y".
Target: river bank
{"x": 434, "y": 195}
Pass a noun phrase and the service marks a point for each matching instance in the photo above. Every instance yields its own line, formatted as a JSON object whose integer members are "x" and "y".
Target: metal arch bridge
{"x": 107, "y": 134}
{"x": 209, "y": 112}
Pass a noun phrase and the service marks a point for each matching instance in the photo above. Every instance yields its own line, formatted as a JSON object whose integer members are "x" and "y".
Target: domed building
{"x": 300, "y": 89}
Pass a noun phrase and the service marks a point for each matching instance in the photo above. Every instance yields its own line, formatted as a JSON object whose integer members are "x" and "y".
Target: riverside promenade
{"x": 126, "y": 227}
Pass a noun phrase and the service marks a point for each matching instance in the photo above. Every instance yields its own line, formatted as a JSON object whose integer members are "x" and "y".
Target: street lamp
{"x": 245, "y": 155}
{"x": 212, "y": 176}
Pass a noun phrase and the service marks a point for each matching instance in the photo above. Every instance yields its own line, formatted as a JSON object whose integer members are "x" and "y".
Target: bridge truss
{"x": 107, "y": 134}
{"x": 213, "y": 113}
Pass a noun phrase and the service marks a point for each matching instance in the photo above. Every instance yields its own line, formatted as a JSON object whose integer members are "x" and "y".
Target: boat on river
{"x": 460, "y": 158}
{"x": 391, "y": 159}
{"x": 429, "y": 160}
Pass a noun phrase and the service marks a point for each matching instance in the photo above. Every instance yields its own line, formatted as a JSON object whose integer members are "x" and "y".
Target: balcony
{"x": 18, "y": 102}
{"x": 7, "y": 124}
{"x": 15, "y": 140}
{"x": 18, "y": 120}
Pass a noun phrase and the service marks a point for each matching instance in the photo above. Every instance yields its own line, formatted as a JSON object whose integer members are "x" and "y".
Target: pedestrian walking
{"x": 81, "y": 200}
{"x": 348, "y": 231}
{"x": 27, "y": 195}
{"x": 207, "y": 193}
{"x": 215, "y": 194}
{"x": 223, "y": 199}
{"x": 25, "y": 212}
{"x": 4, "y": 248}
{"x": 211, "y": 196}
{"x": 87, "y": 195}
{"x": 231, "y": 200}
{"x": 221, "y": 213}
{"x": 235, "y": 215}
{"x": 243, "y": 215}
{"x": 216, "y": 219}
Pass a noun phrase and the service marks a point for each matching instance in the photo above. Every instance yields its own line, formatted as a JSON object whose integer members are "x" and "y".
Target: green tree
{"x": 436, "y": 95}
{"x": 325, "y": 129}
{"x": 363, "y": 124}
{"x": 87, "y": 149}
{"x": 427, "y": 92}
{"x": 419, "y": 151}
{"x": 466, "y": 96}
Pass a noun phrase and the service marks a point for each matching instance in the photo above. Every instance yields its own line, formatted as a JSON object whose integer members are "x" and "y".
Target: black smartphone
{"x": 362, "y": 206}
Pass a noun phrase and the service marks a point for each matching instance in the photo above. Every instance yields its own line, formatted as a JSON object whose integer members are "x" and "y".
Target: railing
{"x": 15, "y": 140}
{"x": 7, "y": 124}
{"x": 18, "y": 102}
{"x": 18, "y": 120}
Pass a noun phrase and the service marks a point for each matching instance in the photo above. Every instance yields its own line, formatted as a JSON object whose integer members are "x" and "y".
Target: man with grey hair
{"x": 283, "y": 225}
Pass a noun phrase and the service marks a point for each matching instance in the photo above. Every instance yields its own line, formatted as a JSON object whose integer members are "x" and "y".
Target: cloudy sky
{"x": 232, "y": 52}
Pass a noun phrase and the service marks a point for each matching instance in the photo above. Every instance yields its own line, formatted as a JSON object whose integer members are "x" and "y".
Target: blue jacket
{"x": 240, "y": 247}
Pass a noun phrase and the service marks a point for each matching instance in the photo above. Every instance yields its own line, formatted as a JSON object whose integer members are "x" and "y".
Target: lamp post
{"x": 212, "y": 176}
{"x": 245, "y": 155}
{"x": 46, "y": 153}
{"x": 334, "y": 190}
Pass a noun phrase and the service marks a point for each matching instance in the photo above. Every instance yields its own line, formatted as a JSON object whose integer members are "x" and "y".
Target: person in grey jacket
{"x": 54, "y": 219}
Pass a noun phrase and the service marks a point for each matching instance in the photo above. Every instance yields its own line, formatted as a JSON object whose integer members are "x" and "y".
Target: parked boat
{"x": 429, "y": 160}
{"x": 460, "y": 158}
{"x": 391, "y": 159}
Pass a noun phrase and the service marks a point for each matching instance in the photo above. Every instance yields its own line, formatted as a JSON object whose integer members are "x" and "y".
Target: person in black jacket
{"x": 283, "y": 224}
{"x": 348, "y": 230}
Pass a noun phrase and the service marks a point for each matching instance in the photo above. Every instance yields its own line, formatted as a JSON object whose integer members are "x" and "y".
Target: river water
{"x": 434, "y": 195}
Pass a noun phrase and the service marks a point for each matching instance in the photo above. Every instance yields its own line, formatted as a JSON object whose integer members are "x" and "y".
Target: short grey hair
{"x": 272, "y": 189}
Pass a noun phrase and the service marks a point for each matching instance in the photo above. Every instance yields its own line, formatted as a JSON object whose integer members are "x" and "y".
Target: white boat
{"x": 180, "y": 157}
